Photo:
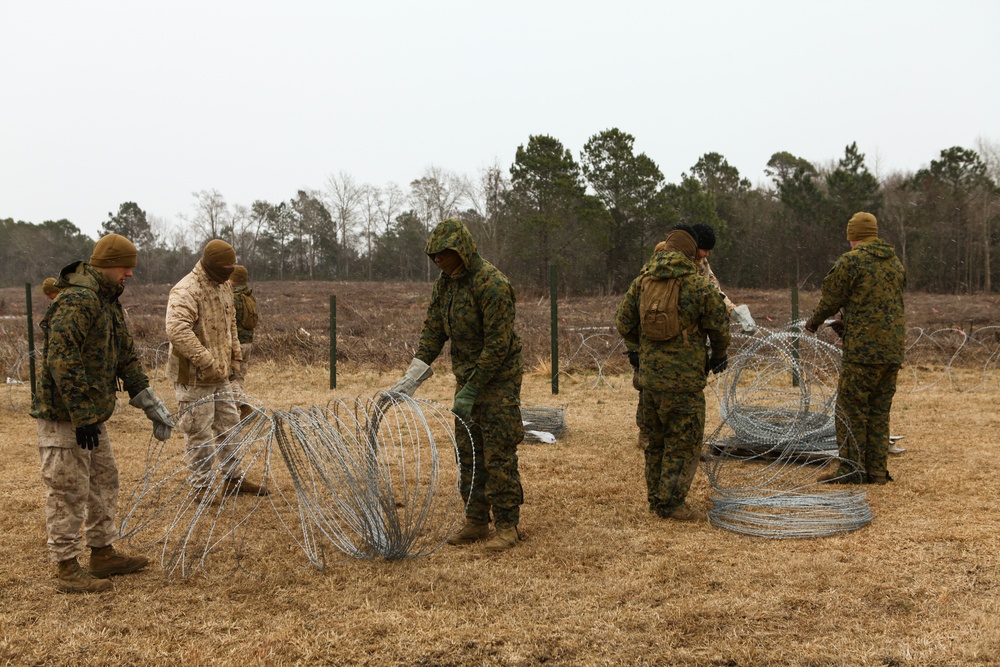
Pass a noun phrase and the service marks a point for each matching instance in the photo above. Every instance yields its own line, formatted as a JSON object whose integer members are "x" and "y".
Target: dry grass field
{"x": 598, "y": 580}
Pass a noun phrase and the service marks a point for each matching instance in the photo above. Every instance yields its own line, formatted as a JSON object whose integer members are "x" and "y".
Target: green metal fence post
{"x": 31, "y": 338}
{"x": 553, "y": 294}
{"x": 795, "y": 343}
{"x": 333, "y": 341}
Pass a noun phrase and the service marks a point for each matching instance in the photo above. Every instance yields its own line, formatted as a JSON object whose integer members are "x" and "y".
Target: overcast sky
{"x": 107, "y": 102}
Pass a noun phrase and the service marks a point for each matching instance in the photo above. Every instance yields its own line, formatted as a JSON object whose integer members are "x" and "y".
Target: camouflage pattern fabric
{"x": 201, "y": 329}
{"x": 676, "y": 365}
{"x": 867, "y": 284}
{"x": 87, "y": 350}
{"x": 204, "y": 428}
{"x": 496, "y": 430}
{"x": 864, "y": 399}
{"x": 705, "y": 271}
{"x": 81, "y": 490}
{"x": 246, "y": 349}
{"x": 675, "y": 423}
{"x": 240, "y": 294}
{"x": 475, "y": 310}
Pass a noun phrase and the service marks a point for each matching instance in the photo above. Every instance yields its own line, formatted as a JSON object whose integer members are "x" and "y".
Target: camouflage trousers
{"x": 81, "y": 490}
{"x": 487, "y": 454}
{"x": 864, "y": 399}
{"x": 636, "y": 379}
{"x": 676, "y": 426}
{"x": 205, "y": 426}
{"x": 240, "y": 376}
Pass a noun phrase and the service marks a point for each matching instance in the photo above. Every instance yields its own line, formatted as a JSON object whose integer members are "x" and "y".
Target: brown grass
{"x": 598, "y": 580}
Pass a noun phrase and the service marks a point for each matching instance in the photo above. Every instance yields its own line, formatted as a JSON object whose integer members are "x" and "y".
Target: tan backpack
{"x": 250, "y": 313}
{"x": 658, "y": 309}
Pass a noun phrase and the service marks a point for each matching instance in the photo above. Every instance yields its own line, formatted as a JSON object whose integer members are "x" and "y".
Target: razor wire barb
{"x": 359, "y": 478}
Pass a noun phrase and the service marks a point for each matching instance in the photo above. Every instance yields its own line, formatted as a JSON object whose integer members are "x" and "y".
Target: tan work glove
{"x": 414, "y": 377}
{"x": 157, "y": 412}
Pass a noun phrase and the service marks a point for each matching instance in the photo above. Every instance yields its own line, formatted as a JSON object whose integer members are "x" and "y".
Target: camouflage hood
{"x": 668, "y": 265}
{"x": 81, "y": 274}
{"x": 453, "y": 234}
{"x": 877, "y": 248}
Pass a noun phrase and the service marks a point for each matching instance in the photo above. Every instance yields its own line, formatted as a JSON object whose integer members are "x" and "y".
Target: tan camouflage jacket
{"x": 87, "y": 349}
{"x": 706, "y": 272}
{"x": 475, "y": 311}
{"x": 676, "y": 365}
{"x": 201, "y": 328}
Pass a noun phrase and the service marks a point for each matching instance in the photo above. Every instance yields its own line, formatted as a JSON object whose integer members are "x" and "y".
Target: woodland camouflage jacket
{"x": 87, "y": 349}
{"x": 240, "y": 293}
{"x": 676, "y": 365}
{"x": 475, "y": 310}
{"x": 201, "y": 328}
{"x": 867, "y": 283}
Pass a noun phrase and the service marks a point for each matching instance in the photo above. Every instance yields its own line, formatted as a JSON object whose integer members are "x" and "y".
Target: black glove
{"x": 633, "y": 358}
{"x": 838, "y": 327}
{"x": 716, "y": 365}
{"x": 86, "y": 436}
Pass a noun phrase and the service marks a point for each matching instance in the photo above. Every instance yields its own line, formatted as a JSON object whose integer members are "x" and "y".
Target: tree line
{"x": 596, "y": 216}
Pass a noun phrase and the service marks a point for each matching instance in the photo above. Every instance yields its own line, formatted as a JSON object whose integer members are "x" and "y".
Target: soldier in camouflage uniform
{"x": 472, "y": 305}
{"x": 204, "y": 356}
{"x": 88, "y": 350}
{"x": 867, "y": 284}
{"x": 242, "y": 294}
{"x": 674, "y": 364}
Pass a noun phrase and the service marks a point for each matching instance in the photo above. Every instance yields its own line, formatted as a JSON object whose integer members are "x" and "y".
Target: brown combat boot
{"x": 71, "y": 578}
{"x": 685, "y": 513}
{"x": 105, "y": 561}
{"x": 245, "y": 486}
{"x": 505, "y": 538}
{"x": 471, "y": 532}
{"x": 879, "y": 478}
{"x": 245, "y": 411}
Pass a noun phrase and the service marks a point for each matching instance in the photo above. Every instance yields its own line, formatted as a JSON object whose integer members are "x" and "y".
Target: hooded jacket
{"x": 474, "y": 310}
{"x": 867, "y": 284}
{"x": 201, "y": 328}
{"x": 87, "y": 349}
{"x": 676, "y": 365}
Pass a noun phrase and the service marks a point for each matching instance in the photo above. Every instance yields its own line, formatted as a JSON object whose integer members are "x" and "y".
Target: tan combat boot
{"x": 685, "y": 513}
{"x": 71, "y": 578}
{"x": 505, "y": 538}
{"x": 105, "y": 561}
{"x": 471, "y": 532}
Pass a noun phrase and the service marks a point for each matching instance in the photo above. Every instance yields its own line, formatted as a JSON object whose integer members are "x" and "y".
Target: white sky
{"x": 107, "y": 102}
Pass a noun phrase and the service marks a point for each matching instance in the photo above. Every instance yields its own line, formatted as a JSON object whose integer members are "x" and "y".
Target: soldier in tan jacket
{"x": 204, "y": 356}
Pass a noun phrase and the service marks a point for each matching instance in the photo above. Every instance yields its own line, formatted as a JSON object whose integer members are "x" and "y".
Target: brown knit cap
{"x": 49, "y": 287}
{"x": 240, "y": 274}
{"x": 680, "y": 241}
{"x": 113, "y": 250}
{"x": 862, "y": 227}
{"x": 216, "y": 257}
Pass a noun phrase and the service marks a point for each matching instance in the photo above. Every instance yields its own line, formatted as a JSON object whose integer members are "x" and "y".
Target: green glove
{"x": 464, "y": 400}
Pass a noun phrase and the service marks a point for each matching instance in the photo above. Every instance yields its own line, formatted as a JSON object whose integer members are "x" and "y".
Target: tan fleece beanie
{"x": 680, "y": 241}
{"x": 862, "y": 227}
{"x": 113, "y": 250}
{"x": 240, "y": 275}
{"x": 216, "y": 257}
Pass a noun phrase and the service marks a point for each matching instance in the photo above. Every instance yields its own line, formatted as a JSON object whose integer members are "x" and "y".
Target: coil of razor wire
{"x": 359, "y": 478}
{"x": 777, "y": 400}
